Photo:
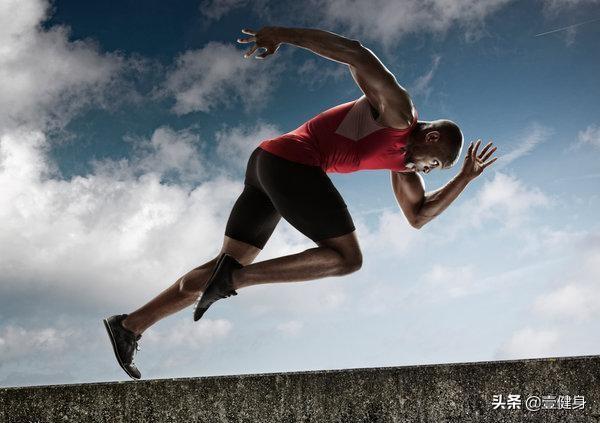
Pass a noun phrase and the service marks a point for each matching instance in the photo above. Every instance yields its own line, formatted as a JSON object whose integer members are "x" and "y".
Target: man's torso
{"x": 345, "y": 138}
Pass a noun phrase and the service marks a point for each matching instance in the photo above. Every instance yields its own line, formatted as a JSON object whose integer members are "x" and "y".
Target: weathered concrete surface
{"x": 441, "y": 393}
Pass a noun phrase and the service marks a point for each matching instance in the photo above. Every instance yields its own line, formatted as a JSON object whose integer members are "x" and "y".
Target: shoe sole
{"x": 197, "y": 313}
{"x": 114, "y": 347}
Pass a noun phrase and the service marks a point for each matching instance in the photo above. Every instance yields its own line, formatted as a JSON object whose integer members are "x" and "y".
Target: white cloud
{"x": 570, "y": 34}
{"x": 17, "y": 342}
{"x": 45, "y": 78}
{"x": 234, "y": 144}
{"x": 422, "y": 85}
{"x": 530, "y": 343}
{"x": 387, "y": 21}
{"x": 290, "y": 328}
{"x": 577, "y": 294}
{"x": 590, "y": 136}
{"x": 189, "y": 334}
{"x": 393, "y": 236}
{"x": 546, "y": 240}
{"x": 168, "y": 153}
{"x": 527, "y": 141}
{"x": 570, "y": 300}
{"x": 114, "y": 230}
{"x": 557, "y": 6}
{"x": 452, "y": 281}
{"x": 217, "y": 75}
{"x": 298, "y": 298}
{"x": 216, "y": 9}
{"x": 505, "y": 199}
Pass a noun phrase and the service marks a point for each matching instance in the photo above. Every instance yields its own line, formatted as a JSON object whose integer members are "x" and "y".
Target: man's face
{"x": 424, "y": 163}
{"x": 426, "y": 155}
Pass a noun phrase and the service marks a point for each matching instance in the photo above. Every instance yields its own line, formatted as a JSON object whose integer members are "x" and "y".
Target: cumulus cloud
{"x": 452, "y": 281}
{"x": 576, "y": 293}
{"x": 590, "y": 136}
{"x": 547, "y": 240}
{"x": 567, "y": 301}
{"x": 392, "y": 236}
{"x": 216, "y": 75}
{"x": 114, "y": 230}
{"x": 189, "y": 333}
{"x": 505, "y": 199}
{"x": 19, "y": 342}
{"x": 171, "y": 154}
{"x": 234, "y": 144}
{"x": 529, "y": 343}
{"x": 216, "y": 9}
{"x": 388, "y": 21}
{"x": 44, "y": 77}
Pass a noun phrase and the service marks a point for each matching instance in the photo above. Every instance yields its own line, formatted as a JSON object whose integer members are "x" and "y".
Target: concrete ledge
{"x": 441, "y": 393}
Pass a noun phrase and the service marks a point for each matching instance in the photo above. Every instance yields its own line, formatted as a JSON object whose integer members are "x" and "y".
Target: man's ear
{"x": 432, "y": 136}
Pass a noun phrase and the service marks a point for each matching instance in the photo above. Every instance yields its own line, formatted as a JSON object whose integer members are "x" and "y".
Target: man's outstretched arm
{"x": 323, "y": 43}
{"x": 378, "y": 84}
{"x": 420, "y": 207}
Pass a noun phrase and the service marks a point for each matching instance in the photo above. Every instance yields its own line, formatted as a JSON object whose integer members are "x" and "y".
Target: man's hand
{"x": 266, "y": 38}
{"x": 474, "y": 164}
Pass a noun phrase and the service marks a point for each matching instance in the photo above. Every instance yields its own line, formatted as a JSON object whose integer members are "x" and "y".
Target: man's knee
{"x": 351, "y": 262}
{"x": 348, "y": 250}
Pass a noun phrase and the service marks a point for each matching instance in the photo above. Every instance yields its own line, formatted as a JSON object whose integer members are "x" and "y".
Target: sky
{"x": 124, "y": 132}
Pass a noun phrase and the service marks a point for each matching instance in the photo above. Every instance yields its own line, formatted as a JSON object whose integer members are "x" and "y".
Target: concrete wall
{"x": 433, "y": 393}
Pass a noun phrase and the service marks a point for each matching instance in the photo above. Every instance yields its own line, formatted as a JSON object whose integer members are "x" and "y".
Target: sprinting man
{"x": 287, "y": 177}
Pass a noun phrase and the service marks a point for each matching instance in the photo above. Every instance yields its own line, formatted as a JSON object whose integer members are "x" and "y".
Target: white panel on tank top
{"x": 358, "y": 122}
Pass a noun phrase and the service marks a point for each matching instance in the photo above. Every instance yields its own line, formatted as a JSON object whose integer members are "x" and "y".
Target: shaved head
{"x": 434, "y": 144}
{"x": 450, "y": 142}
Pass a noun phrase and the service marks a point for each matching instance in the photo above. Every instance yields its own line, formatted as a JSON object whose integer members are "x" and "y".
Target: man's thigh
{"x": 251, "y": 223}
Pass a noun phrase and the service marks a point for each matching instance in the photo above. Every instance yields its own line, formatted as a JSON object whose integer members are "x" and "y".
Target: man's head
{"x": 435, "y": 144}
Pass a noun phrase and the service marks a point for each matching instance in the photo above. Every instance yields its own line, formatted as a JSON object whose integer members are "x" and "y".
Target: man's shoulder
{"x": 398, "y": 109}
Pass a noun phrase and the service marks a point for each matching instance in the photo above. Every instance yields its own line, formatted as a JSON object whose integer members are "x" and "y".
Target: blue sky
{"x": 124, "y": 131}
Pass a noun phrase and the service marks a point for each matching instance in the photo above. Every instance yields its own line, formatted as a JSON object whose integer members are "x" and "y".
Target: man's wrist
{"x": 282, "y": 34}
{"x": 466, "y": 176}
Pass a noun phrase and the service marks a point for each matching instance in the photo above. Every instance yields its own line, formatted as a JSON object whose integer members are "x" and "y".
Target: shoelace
{"x": 135, "y": 342}
{"x": 228, "y": 294}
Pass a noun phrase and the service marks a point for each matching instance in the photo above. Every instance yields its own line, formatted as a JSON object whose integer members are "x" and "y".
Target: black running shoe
{"x": 124, "y": 343}
{"x": 219, "y": 285}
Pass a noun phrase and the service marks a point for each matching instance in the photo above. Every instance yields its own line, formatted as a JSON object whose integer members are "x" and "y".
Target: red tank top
{"x": 345, "y": 138}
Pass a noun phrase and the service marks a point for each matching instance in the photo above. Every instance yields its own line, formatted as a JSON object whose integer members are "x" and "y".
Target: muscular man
{"x": 287, "y": 177}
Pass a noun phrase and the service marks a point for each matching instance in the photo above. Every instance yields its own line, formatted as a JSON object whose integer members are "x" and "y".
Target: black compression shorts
{"x": 275, "y": 187}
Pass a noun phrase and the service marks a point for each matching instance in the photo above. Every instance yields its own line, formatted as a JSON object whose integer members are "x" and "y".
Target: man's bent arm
{"x": 420, "y": 207}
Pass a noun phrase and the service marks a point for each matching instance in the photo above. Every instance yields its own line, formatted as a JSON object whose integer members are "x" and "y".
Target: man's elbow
{"x": 355, "y": 45}
{"x": 355, "y": 52}
{"x": 416, "y": 222}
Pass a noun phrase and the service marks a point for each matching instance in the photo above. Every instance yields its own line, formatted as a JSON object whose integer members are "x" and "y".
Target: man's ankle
{"x": 127, "y": 325}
